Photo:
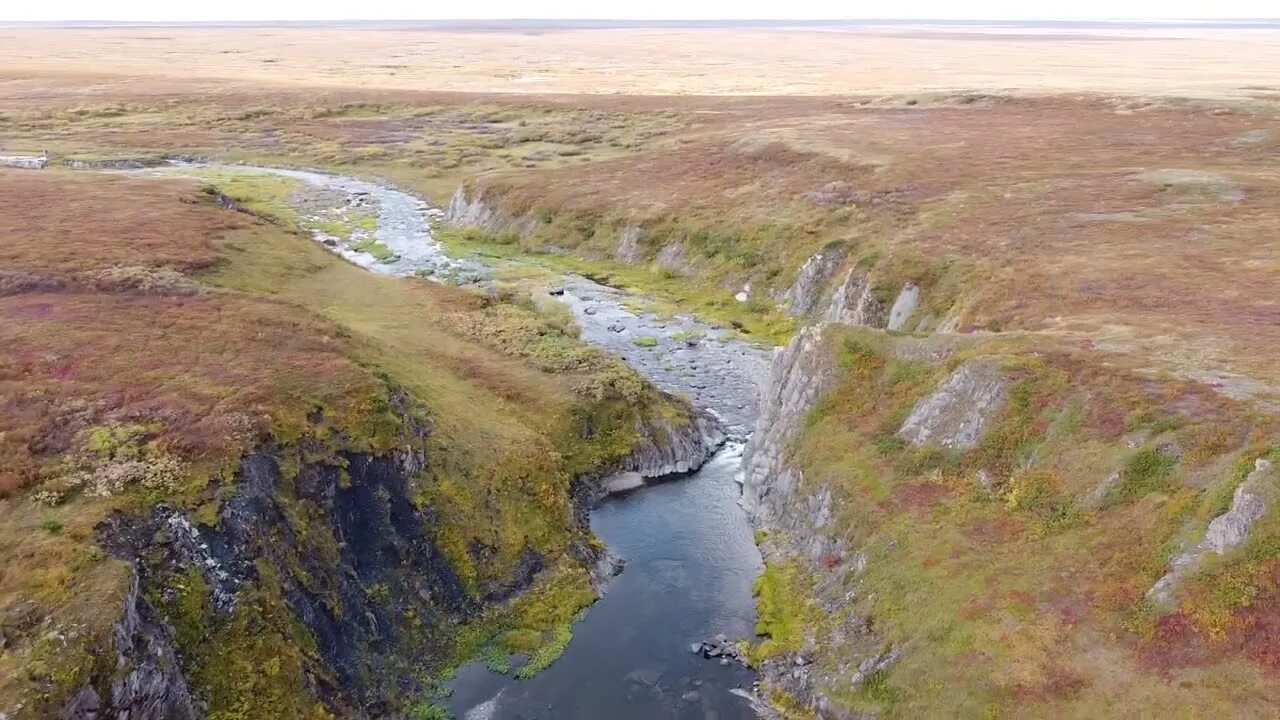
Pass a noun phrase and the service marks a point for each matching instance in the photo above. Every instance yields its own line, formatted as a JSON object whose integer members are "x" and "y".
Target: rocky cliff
{"x": 148, "y": 681}
{"x": 320, "y": 582}
{"x": 469, "y": 209}
{"x": 803, "y": 296}
{"x": 853, "y": 303}
{"x": 667, "y": 449}
{"x": 889, "y": 471}
{"x": 326, "y": 568}
{"x": 771, "y": 483}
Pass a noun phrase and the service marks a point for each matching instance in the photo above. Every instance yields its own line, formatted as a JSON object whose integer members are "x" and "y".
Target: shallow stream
{"x": 689, "y": 552}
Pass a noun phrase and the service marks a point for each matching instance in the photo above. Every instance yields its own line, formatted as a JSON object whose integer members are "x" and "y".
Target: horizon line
{"x": 660, "y": 21}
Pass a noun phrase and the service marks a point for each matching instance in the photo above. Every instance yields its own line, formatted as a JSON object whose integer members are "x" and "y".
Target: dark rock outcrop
{"x": 342, "y": 544}
{"x": 148, "y": 682}
{"x": 355, "y": 559}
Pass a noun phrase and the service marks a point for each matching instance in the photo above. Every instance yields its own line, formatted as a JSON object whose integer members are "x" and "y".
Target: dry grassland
{"x": 1236, "y": 63}
{"x": 1127, "y": 223}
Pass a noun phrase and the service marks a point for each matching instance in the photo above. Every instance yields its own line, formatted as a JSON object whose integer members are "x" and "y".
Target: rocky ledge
{"x": 671, "y": 450}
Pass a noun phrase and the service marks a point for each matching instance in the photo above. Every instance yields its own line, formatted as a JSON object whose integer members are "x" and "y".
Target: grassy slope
{"x": 1024, "y": 599}
{"x": 223, "y": 330}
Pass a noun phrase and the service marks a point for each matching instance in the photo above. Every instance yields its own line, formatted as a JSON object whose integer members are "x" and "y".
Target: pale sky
{"x": 169, "y": 10}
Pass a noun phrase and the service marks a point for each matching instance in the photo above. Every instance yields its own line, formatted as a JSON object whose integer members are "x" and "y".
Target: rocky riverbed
{"x": 688, "y": 546}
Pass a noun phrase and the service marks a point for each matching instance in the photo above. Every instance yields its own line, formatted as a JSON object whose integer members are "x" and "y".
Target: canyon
{"x": 846, "y": 394}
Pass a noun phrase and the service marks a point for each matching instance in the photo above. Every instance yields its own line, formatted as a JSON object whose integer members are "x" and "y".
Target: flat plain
{"x": 1232, "y": 62}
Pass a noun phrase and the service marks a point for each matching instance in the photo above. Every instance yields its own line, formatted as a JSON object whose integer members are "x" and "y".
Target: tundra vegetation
{"x": 1022, "y": 564}
{"x": 1113, "y": 254}
{"x": 154, "y": 346}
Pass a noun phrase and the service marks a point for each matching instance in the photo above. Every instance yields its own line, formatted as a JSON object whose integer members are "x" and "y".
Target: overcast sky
{"x": 640, "y": 9}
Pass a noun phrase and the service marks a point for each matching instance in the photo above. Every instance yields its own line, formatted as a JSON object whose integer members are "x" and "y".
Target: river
{"x": 689, "y": 551}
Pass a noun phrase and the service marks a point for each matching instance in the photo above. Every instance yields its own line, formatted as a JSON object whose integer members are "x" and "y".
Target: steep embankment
{"x": 990, "y": 526}
{"x": 961, "y": 518}
{"x": 1011, "y": 470}
{"x": 244, "y": 478}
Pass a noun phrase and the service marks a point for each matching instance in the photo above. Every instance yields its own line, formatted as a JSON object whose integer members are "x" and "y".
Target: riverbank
{"x": 240, "y": 451}
{"x": 689, "y": 571}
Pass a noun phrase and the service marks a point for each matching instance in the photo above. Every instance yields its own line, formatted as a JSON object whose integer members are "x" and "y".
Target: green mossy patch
{"x": 667, "y": 291}
{"x": 535, "y": 628}
{"x": 785, "y": 613}
{"x": 251, "y": 665}
{"x": 1146, "y": 471}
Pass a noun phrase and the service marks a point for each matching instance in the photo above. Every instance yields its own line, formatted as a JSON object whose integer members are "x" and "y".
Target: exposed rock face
{"x": 801, "y": 515}
{"x": 853, "y": 303}
{"x": 671, "y": 257}
{"x": 629, "y": 250}
{"x": 903, "y": 307}
{"x": 800, "y": 679}
{"x": 473, "y": 212}
{"x": 800, "y": 374}
{"x": 1228, "y": 530}
{"x": 801, "y": 299}
{"x": 360, "y": 533}
{"x": 464, "y": 211}
{"x": 955, "y": 414}
{"x": 623, "y": 482}
{"x": 149, "y": 684}
{"x": 668, "y": 450}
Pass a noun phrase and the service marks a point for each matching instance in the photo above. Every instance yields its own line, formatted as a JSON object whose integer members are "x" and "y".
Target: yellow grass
{"x": 665, "y": 62}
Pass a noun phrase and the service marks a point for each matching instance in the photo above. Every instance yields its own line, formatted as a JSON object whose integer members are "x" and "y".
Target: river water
{"x": 689, "y": 551}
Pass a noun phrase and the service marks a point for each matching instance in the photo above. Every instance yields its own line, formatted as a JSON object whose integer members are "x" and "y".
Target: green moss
{"x": 262, "y": 193}
{"x": 645, "y": 342}
{"x": 186, "y": 608}
{"x": 877, "y": 690}
{"x": 785, "y": 612}
{"x": 59, "y": 670}
{"x": 547, "y": 653}
{"x": 429, "y": 711}
{"x": 538, "y": 624}
{"x": 858, "y": 357}
{"x": 342, "y": 224}
{"x": 1145, "y": 471}
{"x": 668, "y": 291}
{"x": 251, "y": 665}
{"x": 207, "y": 513}
{"x": 117, "y": 442}
{"x": 380, "y": 252}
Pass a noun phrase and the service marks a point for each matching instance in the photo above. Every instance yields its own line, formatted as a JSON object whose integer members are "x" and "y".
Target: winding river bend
{"x": 690, "y": 556}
